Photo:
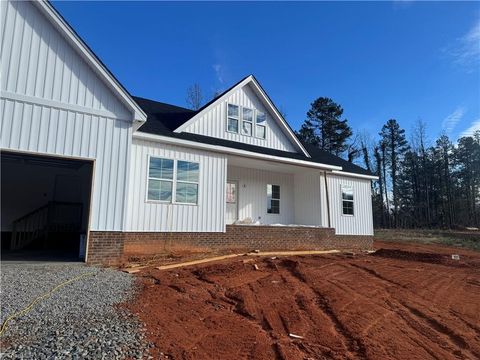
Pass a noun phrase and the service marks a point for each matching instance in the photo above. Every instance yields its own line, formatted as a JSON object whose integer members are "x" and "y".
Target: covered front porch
{"x": 269, "y": 193}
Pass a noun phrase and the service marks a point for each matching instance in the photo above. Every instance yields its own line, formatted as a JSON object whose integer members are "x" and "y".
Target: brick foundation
{"x": 113, "y": 248}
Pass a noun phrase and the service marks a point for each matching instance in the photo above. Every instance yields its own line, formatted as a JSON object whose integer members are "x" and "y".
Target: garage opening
{"x": 45, "y": 204}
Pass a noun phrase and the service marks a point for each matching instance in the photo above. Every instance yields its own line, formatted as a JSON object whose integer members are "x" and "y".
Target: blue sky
{"x": 379, "y": 60}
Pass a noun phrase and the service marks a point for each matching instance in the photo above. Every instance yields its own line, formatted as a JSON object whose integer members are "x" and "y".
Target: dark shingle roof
{"x": 163, "y": 119}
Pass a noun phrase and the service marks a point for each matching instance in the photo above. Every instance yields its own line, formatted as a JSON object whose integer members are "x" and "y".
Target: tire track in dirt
{"x": 454, "y": 340}
{"x": 354, "y": 345}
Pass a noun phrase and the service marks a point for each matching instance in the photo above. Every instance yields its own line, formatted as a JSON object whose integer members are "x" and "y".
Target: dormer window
{"x": 247, "y": 121}
{"x": 233, "y": 118}
{"x": 260, "y": 125}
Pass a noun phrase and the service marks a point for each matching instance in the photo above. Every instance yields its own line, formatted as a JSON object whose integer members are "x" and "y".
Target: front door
{"x": 232, "y": 201}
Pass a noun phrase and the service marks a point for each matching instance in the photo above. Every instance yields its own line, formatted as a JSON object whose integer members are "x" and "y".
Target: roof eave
{"x": 138, "y": 115}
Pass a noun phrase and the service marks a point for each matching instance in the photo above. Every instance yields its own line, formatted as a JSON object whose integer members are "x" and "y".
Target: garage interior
{"x": 45, "y": 204}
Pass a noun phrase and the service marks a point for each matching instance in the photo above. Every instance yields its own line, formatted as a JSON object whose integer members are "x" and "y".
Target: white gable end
{"x": 38, "y": 62}
{"x": 213, "y": 122}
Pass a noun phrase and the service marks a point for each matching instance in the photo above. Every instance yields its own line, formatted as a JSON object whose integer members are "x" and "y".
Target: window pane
{"x": 275, "y": 191}
{"x": 161, "y": 168}
{"x": 232, "y": 125}
{"x": 274, "y": 207}
{"x": 347, "y": 193}
{"x": 347, "y": 208}
{"x": 186, "y": 193}
{"x": 273, "y": 196}
{"x": 261, "y": 118}
{"x": 247, "y": 114}
{"x": 247, "y": 128}
{"x": 231, "y": 193}
{"x": 233, "y": 110}
{"x": 187, "y": 171}
{"x": 159, "y": 190}
{"x": 260, "y": 131}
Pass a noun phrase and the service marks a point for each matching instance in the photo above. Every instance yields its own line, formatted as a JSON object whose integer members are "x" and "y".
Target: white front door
{"x": 232, "y": 201}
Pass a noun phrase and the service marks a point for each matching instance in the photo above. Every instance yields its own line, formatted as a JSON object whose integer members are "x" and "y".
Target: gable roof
{"x": 91, "y": 59}
{"x": 267, "y": 102}
{"x": 163, "y": 119}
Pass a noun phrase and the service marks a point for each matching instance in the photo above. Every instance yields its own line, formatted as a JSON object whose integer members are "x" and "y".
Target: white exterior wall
{"x": 252, "y": 194}
{"x": 308, "y": 205}
{"x": 214, "y": 122}
{"x": 53, "y": 103}
{"x": 207, "y": 216}
{"x": 361, "y": 223}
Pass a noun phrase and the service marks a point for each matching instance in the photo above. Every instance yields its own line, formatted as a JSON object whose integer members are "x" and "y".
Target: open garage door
{"x": 45, "y": 204}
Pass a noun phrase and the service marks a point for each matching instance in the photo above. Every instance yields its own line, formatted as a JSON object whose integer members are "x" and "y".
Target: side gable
{"x": 45, "y": 60}
{"x": 211, "y": 120}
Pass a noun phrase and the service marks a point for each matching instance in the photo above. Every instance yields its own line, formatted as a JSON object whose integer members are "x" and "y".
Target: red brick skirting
{"x": 113, "y": 248}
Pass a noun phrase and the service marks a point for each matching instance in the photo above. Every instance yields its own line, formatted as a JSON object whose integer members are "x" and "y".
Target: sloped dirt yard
{"x": 403, "y": 302}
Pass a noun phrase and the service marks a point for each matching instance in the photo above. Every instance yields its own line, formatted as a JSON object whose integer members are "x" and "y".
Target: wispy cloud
{"x": 452, "y": 120}
{"x": 219, "y": 72}
{"x": 465, "y": 52}
{"x": 402, "y": 4}
{"x": 474, "y": 126}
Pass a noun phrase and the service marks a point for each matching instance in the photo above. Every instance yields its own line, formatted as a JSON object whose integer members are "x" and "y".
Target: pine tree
{"x": 325, "y": 127}
{"x": 393, "y": 138}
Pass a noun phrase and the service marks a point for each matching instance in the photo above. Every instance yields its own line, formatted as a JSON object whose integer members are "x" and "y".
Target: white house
{"x": 83, "y": 159}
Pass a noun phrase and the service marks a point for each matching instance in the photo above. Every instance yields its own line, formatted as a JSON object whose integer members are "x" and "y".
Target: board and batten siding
{"x": 53, "y": 103}
{"x": 252, "y": 194}
{"x": 361, "y": 223}
{"x": 308, "y": 207}
{"x": 214, "y": 122}
{"x": 207, "y": 216}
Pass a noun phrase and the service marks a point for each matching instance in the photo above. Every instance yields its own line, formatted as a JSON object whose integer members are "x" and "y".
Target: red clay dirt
{"x": 403, "y": 302}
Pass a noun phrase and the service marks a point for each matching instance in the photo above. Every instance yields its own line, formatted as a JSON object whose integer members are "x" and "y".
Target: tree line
{"x": 420, "y": 184}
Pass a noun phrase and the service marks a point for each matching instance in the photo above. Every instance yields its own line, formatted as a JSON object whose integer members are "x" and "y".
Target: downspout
{"x": 327, "y": 198}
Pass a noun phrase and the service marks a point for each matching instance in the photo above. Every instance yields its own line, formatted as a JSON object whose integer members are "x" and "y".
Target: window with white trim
{"x": 247, "y": 121}
{"x": 186, "y": 191}
{"x": 233, "y": 118}
{"x": 347, "y": 200}
{"x": 160, "y": 179}
{"x": 260, "y": 125}
{"x": 273, "y": 199}
{"x": 173, "y": 181}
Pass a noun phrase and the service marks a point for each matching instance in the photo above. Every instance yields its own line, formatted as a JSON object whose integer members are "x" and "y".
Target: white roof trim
{"x": 91, "y": 58}
{"x": 229, "y": 150}
{"x": 361, "y": 176}
{"x": 263, "y": 96}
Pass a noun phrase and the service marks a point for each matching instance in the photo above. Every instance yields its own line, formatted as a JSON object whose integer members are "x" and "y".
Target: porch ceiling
{"x": 268, "y": 165}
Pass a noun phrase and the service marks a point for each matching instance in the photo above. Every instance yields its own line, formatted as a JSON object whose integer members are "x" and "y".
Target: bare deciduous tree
{"x": 194, "y": 97}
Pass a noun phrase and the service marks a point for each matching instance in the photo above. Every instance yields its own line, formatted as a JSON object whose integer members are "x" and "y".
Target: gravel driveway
{"x": 79, "y": 320}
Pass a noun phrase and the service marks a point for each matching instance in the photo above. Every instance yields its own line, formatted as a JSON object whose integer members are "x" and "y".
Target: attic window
{"x": 247, "y": 121}
{"x": 233, "y": 115}
{"x": 260, "y": 125}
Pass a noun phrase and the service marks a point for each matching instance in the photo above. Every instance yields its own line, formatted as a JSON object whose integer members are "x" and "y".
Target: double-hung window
{"x": 347, "y": 200}
{"x": 160, "y": 179}
{"x": 173, "y": 181}
{"x": 273, "y": 199}
{"x": 233, "y": 118}
{"x": 247, "y": 121}
{"x": 187, "y": 182}
{"x": 260, "y": 125}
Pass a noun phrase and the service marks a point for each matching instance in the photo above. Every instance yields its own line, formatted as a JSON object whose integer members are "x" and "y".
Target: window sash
{"x": 348, "y": 206}
{"x": 232, "y": 125}
{"x": 260, "y": 131}
{"x": 273, "y": 199}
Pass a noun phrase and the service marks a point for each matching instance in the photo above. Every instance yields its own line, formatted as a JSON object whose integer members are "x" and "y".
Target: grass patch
{"x": 462, "y": 239}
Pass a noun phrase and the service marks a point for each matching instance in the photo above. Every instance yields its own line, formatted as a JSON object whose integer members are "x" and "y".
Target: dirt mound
{"x": 313, "y": 307}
